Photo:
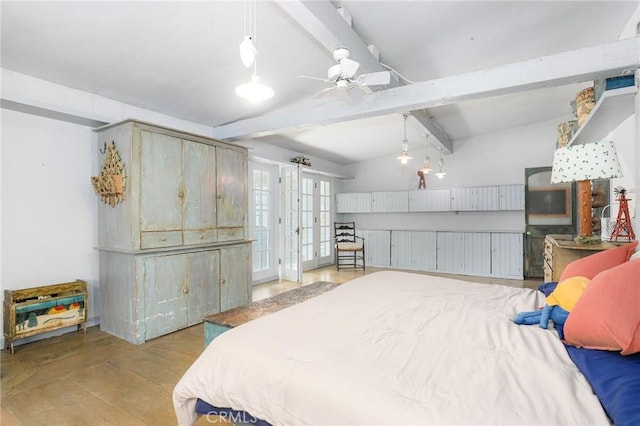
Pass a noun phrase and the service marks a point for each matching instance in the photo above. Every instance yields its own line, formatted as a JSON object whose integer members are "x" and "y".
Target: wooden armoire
{"x": 175, "y": 248}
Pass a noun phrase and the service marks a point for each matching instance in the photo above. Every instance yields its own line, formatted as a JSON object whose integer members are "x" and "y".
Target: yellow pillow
{"x": 568, "y": 292}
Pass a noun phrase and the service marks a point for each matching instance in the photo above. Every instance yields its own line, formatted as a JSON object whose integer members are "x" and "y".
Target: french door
{"x": 290, "y": 259}
{"x": 306, "y": 222}
{"x": 315, "y": 215}
{"x": 263, "y": 226}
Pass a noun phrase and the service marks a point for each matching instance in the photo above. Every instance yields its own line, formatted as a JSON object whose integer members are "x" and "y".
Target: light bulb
{"x": 254, "y": 91}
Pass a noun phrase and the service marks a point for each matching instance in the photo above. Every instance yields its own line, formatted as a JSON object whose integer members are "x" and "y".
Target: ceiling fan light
{"x": 247, "y": 51}
{"x": 441, "y": 174}
{"x": 254, "y": 91}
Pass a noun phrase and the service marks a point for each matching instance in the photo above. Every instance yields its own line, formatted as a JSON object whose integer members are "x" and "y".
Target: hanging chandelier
{"x": 404, "y": 155}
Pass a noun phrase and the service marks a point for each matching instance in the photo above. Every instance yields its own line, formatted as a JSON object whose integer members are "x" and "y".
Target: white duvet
{"x": 394, "y": 348}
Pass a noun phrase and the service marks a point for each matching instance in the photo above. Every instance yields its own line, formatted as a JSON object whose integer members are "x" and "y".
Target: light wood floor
{"x": 98, "y": 379}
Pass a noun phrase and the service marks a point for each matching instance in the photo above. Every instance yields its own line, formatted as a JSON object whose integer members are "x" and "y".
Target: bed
{"x": 394, "y": 348}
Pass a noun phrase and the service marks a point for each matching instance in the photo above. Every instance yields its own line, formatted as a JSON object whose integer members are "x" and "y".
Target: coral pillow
{"x": 607, "y": 315}
{"x": 592, "y": 265}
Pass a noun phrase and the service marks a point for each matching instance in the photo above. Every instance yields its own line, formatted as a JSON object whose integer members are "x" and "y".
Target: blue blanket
{"x": 614, "y": 378}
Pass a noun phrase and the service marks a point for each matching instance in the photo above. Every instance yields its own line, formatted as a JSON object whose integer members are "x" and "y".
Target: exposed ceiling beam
{"x": 438, "y": 136}
{"x": 575, "y": 66}
{"x": 323, "y": 22}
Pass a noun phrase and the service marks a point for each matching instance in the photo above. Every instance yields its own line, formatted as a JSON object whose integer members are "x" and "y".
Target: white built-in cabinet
{"x": 430, "y": 200}
{"x": 176, "y": 249}
{"x": 353, "y": 202}
{"x": 389, "y": 202}
{"x": 413, "y": 250}
{"x": 491, "y": 254}
{"x": 480, "y": 198}
{"x": 377, "y": 247}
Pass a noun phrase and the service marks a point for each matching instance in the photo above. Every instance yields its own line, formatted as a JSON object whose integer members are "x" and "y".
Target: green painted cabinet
{"x": 176, "y": 248}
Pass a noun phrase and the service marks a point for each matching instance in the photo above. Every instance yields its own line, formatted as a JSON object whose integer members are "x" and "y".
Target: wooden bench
{"x": 217, "y": 324}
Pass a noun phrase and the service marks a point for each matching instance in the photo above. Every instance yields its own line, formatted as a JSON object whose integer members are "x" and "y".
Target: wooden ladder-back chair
{"x": 349, "y": 246}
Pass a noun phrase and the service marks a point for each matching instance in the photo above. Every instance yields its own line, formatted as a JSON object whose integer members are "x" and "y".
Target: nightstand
{"x": 560, "y": 250}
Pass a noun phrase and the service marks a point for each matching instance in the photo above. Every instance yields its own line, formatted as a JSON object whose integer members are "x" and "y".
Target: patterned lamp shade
{"x": 585, "y": 162}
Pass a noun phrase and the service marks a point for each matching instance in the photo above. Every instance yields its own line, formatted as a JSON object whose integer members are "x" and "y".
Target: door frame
{"x": 536, "y": 233}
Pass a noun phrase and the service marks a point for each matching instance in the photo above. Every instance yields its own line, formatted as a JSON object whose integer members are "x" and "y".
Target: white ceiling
{"x": 181, "y": 59}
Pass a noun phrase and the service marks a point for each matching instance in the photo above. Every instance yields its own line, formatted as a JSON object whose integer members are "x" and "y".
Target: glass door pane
{"x": 307, "y": 216}
{"x": 325, "y": 238}
{"x": 290, "y": 259}
{"x": 263, "y": 226}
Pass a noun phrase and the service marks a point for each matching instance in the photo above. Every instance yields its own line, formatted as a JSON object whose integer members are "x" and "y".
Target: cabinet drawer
{"x": 230, "y": 234}
{"x": 159, "y": 239}
{"x": 202, "y": 236}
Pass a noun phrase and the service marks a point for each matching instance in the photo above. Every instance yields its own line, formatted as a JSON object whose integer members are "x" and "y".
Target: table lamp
{"x": 583, "y": 163}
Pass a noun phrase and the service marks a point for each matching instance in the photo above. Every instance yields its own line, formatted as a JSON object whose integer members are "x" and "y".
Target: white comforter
{"x": 394, "y": 348}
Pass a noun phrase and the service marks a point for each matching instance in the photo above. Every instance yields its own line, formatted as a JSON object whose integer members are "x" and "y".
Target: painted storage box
{"x": 36, "y": 310}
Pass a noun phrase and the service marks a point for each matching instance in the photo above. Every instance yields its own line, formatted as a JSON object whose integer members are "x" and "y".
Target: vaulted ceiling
{"x": 181, "y": 59}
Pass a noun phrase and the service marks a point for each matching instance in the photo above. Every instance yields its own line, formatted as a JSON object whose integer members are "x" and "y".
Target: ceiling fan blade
{"x": 375, "y": 78}
{"x": 323, "y": 91}
{"x": 315, "y": 78}
{"x": 348, "y": 68}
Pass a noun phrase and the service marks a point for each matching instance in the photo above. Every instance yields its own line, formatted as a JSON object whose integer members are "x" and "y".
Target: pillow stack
{"x": 607, "y": 315}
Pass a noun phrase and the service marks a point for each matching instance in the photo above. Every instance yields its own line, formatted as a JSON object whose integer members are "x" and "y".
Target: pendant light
{"x": 404, "y": 156}
{"x": 441, "y": 173}
{"x": 254, "y": 91}
{"x": 426, "y": 167}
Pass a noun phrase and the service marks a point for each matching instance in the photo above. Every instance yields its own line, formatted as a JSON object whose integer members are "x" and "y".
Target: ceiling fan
{"x": 342, "y": 76}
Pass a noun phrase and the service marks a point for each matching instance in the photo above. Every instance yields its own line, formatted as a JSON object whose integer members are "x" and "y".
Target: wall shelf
{"x": 610, "y": 111}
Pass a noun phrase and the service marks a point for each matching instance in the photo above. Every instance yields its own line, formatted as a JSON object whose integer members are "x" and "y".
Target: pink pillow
{"x": 607, "y": 315}
{"x": 592, "y": 265}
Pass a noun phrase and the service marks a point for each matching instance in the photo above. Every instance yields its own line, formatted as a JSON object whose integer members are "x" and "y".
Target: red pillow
{"x": 592, "y": 265}
{"x": 607, "y": 315}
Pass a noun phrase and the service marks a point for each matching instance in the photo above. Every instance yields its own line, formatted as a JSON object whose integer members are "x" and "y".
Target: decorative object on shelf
{"x": 422, "y": 184}
{"x": 111, "y": 185}
{"x": 565, "y": 132}
{"x": 622, "y": 228}
{"x": 602, "y": 85}
{"x": 585, "y": 101}
{"x": 404, "y": 155}
{"x": 301, "y": 160}
{"x": 253, "y": 91}
{"x": 582, "y": 163}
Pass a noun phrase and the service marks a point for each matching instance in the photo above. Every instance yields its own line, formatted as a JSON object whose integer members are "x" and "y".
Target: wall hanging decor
{"x": 111, "y": 185}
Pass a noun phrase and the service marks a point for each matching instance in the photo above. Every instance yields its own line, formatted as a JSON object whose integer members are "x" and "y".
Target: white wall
{"x": 496, "y": 158}
{"x": 48, "y": 218}
{"x": 489, "y": 159}
{"x": 49, "y": 211}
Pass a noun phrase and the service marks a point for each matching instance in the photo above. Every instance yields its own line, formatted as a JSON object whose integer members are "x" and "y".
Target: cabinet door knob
{"x": 202, "y": 237}
{"x": 163, "y": 239}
